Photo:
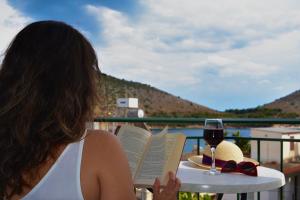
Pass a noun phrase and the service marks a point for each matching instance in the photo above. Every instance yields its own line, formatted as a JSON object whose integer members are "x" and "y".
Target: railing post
{"x": 281, "y": 167}
{"x": 295, "y": 187}
{"x": 258, "y": 159}
{"x": 198, "y": 153}
{"x": 258, "y": 150}
{"x": 198, "y": 146}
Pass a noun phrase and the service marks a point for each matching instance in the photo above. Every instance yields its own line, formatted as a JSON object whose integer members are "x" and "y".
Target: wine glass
{"x": 213, "y": 134}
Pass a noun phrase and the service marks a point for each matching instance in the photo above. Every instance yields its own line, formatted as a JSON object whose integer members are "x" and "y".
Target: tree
{"x": 242, "y": 143}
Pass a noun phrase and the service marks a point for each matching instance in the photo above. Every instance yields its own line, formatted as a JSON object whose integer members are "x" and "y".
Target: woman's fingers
{"x": 173, "y": 185}
{"x": 156, "y": 188}
{"x": 177, "y": 184}
{"x": 171, "y": 181}
{"x": 169, "y": 192}
{"x": 171, "y": 176}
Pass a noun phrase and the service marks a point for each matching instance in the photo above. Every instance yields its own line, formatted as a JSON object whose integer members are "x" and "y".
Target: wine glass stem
{"x": 213, "y": 164}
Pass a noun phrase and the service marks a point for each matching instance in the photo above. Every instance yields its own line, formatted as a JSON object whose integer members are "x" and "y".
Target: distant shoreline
{"x": 201, "y": 126}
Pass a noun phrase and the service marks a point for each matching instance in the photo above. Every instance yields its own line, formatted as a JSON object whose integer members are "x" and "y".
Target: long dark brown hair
{"x": 47, "y": 93}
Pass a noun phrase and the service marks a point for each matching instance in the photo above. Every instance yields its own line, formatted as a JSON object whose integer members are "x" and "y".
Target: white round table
{"x": 194, "y": 179}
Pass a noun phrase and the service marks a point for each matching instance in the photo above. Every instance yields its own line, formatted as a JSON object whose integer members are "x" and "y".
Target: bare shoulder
{"x": 104, "y": 148}
{"x": 102, "y": 144}
{"x": 101, "y": 137}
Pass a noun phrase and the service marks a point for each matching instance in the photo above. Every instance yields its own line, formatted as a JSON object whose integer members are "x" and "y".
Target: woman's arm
{"x": 113, "y": 171}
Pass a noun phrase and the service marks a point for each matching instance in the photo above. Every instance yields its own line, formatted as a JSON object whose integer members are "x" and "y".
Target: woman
{"x": 47, "y": 93}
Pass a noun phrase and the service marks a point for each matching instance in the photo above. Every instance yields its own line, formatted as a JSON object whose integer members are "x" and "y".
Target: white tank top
{"x": 62, "y": 181}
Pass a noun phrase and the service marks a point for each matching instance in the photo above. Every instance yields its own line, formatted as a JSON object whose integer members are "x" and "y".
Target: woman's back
{"x": 93, "y": 168}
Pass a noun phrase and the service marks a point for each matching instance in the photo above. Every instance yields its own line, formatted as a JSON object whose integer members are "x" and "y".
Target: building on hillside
{"x": 270, "y": 157}
{"x": 126, "y": 107}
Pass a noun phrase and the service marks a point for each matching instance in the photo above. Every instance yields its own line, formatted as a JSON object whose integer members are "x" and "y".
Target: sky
{"x": 222, "y": 54}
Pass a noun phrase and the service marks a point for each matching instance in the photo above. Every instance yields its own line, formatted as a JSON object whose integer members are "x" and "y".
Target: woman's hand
{"x": 169, "y": 192}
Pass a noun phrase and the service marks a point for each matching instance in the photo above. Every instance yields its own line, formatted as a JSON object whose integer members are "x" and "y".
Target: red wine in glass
{"x": 213, "y": 134}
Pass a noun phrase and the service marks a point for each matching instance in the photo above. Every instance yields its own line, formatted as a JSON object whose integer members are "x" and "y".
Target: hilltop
{"x": 153, "y": 101}
{"x": 287, "y": 104}
{"x": 284, "y": 107}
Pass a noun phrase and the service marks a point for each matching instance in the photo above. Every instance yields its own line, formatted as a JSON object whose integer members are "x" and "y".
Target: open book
{"x": 151, "y": 156}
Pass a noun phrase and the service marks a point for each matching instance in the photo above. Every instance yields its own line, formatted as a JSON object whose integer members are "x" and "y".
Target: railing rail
{"x": 199, "y": 120}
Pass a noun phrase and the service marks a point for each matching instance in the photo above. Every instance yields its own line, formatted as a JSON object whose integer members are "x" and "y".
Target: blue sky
{"x": 224, "y": 54}
{"x": 71, "y": 11}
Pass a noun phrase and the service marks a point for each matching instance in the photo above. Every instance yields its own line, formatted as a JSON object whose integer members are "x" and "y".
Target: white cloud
{"x": 11, "y": 22}
{"x": 210, "y": 48}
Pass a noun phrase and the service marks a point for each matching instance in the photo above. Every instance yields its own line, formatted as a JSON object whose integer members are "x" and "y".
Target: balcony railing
{"x": 239, "y": 121}
{"x": 165, "y": 120}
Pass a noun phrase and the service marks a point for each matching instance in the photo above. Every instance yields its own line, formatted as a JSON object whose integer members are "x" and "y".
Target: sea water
{"x": 192, "y": 143}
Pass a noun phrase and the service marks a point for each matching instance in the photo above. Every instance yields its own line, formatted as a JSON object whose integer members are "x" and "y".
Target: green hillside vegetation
{"x": 261, "y": 112}
{"x": 153, "y": 101}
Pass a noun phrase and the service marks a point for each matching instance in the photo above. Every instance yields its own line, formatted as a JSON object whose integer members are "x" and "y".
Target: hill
{"x": 285, "y": 107}
{"x": 159, "y": 103}
{"x": 287, "y": 104}
{"x": 153, "y": 101}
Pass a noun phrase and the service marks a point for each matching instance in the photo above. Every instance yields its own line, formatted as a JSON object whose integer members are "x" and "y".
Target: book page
{"x": 133, "y": 140}
{"x": 175, "y": 144}
{"x": 154, "y": 159}
{"x": 159, "y": 158}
